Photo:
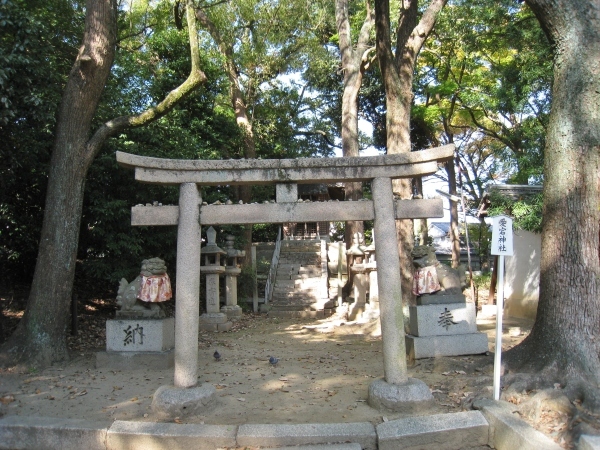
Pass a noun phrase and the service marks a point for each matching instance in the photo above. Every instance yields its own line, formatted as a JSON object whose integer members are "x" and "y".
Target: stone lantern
{"x": 232, "y": 271}
{"x": 213, "y": 319}
{"x": 371, "y": 269}
{"x": 356, "y": 256}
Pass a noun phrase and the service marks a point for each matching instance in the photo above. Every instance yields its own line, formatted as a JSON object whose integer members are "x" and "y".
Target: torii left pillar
{"x": 185, "y": 397}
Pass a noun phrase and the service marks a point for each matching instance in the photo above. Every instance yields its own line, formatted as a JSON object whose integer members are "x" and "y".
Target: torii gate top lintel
{"x": 269, "y": 171}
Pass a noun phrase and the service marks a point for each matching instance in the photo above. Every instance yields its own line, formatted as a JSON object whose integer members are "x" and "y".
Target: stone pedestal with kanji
{"x": 444, "y": 330}
{"x": 131, "y": 344}
{"x": 442, "y": 323}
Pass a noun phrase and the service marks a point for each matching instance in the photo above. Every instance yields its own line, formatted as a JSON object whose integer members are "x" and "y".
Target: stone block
{"x": 286, "y": 192}
{"x": 447, "y": 431}
{"x": 411, "y": 396}
{"x": 442, "y": 320}
{"x": 440, "y": 299}
{"x": 48, "y": 433}
{"x": 273, "y": 435}
{"x": 147, "y": 335}
{"x": 172, "y": 401}
{"x": 159, "y": 436}
{"x": 208, "y": 326}
{"x": 233, "y": 312}
{"x": 508, "y": 431}
{"x": 453, "y": 345}
{"x": 135, "y": 360}
{"x": 217, "y": 317}
{"x": 224, "y": 326}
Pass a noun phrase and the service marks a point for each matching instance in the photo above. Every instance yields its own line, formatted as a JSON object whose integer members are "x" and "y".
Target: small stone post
{"x": 395, "y": 391}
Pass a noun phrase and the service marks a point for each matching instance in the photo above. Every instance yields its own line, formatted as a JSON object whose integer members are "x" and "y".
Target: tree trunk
{"x": 240, "y": 109}
{"x": 397, "y": 71}
{"x": 40, "y": 338}
{"x": 354, "y": 61}
{"x": 454, "y": 231}
{"x": 564, "y": 339}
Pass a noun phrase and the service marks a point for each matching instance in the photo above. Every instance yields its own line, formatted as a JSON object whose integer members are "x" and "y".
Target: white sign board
{"x": 502, "y": 236}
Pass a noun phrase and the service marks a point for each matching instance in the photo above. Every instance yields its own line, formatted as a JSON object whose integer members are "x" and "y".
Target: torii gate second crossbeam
{"x": 286, "y": 175}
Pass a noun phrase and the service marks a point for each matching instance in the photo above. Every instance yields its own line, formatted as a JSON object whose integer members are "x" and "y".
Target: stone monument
{"x": 358, "y": 277}
{"x": 370, "y": 264}
{"x": 213, "y": 319}
{"x": 442, "y": 323}
{"x": 232, "y": 272}
{"x": 141, "y": 335}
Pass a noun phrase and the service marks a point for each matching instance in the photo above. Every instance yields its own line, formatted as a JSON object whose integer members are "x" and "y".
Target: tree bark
{"x": 454, "y": 231}
{"x": 354, "y": 63}
{"x": 240, "y": 109}
{"x": 397, "y": 70}
{"x": 564, "y": 340}
{"x": 40, "y": 338}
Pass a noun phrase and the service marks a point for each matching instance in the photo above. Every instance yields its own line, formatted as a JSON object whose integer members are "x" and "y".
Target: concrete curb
{"x": 32, "y": 433}
{"x": 155, "y": 436}
{"x": 447, "y": 431}
{"x": 508, "y": 432}
{"x": 362, "y": 433}
{"x": 494, "y": 424}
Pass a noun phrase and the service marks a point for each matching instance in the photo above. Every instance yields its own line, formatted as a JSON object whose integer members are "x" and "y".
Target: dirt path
{"x": 323, "y": 375}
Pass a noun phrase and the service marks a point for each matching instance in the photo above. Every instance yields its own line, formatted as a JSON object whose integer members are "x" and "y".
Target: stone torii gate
{"x": 395, "y": 390}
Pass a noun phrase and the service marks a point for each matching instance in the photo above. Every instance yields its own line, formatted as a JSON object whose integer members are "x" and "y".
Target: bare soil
{"x": 323, "y": 374}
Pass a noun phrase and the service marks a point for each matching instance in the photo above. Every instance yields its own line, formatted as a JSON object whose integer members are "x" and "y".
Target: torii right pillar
{"x": 395, "y": 391}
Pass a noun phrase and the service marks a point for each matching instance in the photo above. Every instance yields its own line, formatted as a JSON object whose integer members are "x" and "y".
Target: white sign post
{"x": 502, "y": 245}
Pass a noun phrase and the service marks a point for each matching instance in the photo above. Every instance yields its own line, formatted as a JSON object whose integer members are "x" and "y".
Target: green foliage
{"x": 37, "y": 46}
{"x": 480, "y": 237}
{"x": 482, "y": 281}
{"x": 483, "y": 82}
{"x": 526, "y": 212}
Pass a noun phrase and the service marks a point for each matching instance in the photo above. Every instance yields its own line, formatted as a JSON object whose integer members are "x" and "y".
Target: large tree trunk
{"x": 564, "y": 341}
{"x": 40, "y": 338}
{"x": 397, "y": 71}
{"x": 354, "y": 61}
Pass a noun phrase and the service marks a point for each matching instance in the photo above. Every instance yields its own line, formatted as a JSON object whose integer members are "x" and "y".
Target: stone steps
{"x": 294, "y": 300}
{"x": 296, "y": 314}
{"x": 298, "y": 283}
